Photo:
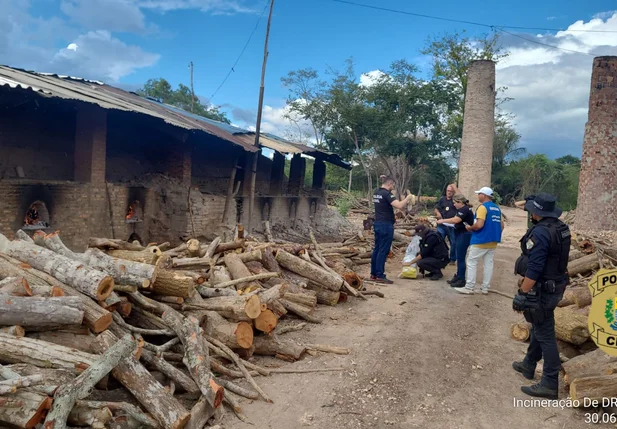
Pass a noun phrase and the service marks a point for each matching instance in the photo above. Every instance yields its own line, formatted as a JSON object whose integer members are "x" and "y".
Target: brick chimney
{"x": 476, "y": 159}
{"x": 598, "y": 180}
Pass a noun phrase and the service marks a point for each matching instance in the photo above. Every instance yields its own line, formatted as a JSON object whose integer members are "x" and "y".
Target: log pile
{"x": 128, "y": 336}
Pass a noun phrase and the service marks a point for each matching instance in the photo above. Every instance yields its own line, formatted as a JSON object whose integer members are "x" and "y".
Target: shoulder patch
{"x": 530, "y": 243}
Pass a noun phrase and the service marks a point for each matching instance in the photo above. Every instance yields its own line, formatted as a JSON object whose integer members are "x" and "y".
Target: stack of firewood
{"x": 126, "y": 336}
{"x": 587, "y": 370}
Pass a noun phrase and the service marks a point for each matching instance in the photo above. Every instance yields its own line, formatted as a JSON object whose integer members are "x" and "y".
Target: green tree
{"x": 182, "y": 98}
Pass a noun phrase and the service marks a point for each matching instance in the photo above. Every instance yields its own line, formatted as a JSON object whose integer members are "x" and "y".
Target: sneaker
{"x": 437, "y": 276}
{"x": 453, "y": 279}
{"x": 460, "y": 283}
{"x": 527, "y": 372}
{"x": 383, "y": 280}
{"x": 373, "y": 277}
{"x": 540, "y": 391}
{"x": 428, "y": 275}
{"x": 464, "y": 290}
{"x": 484, "y": 291}
{"x": 452, "y": 263}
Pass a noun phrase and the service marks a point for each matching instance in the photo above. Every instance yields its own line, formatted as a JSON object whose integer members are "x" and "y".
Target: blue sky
{"x": 126, "y": 42}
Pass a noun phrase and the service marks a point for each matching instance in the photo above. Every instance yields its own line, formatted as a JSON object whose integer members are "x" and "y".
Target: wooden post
{"x": 252, "y": 190}
{"x": 230, "y": 192}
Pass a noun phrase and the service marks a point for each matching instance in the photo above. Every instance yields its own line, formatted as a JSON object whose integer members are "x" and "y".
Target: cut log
{"x": 302, "y": 299}
{"x": 51, "y": 377}
{"x": 238, "y": 270}
{"x": 168, "y": 299}
{"x": 30, "y": 414}
{"x": 249, "y": 279}
{"x": 127, "y": 410}
{"x": 520, "y": 331}
{"x": 571, "y": 326}
{"x": 324, "y": 296}
{"x": 193, "y": 246}
{"x": 89, "y": 281}
{"x": 220, "y": 274}
{"x": 277, "y": 308}
{"x": 66, "y": 339}
{"x": 266, "y": 321}
{"x": 171, "y": 283}
{"x": 353, "y": 280}
{"x": 235, "y": 308}
{"x": 108, "y": 243}
{"x": 150, "y": 393}
{"x": 145, "y": 319}
{"x": 309, "y": 270}
{"x": 181, "y": 380}
{"x": 192, "y": 263}
{"x": 269, "y": 345}
{"x": 40, "y": 312}
{"x": 149, "y": 255}
{"x": 299, "y": 310}
{"x": 233, "y": 334}
{"x": 575, "y": 254}
{"x": 272, "y": 294}
{"x": 80, "y": 387}
{"x": 594, "y": 388}
{"x": 328, "y": 349}
{"x": 43, "y": 354}
{"x": 197, "y": 358}
{"x": 16, "y": 331}
{"x": 590, "y": 364}
{"x": 94, "y": 418}
{"x": 201, "y": 412}
{"x": 233, "y": 245}
{"x": 583, "y": 265}
{"x": 269, "y": 261}
{"x": 581, "y": 296}
{"x": 208, "y": 292}
{"x": 17, "y": 286}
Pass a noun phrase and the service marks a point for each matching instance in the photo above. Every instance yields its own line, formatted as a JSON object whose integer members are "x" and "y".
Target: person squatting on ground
{"x": 433, "y": 255}
{"x": 485, "y": 235}
{"x": 543, "y": 264}
{"x": 445, "y": 209}
{"x": 385, "y": 203}
{"x": 463, "y": 217}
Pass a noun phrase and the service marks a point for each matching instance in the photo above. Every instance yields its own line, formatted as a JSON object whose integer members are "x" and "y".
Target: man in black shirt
{"x": 444, "y": 209}
{"x": 385, "y": 203}
{"x": 433, "y": 252}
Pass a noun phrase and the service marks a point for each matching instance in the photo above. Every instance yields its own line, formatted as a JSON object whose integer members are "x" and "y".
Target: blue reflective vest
{"x": 491, "y": 231}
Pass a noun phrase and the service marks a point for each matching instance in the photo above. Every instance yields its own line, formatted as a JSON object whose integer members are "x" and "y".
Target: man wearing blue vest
{"x": 485, "y": 235}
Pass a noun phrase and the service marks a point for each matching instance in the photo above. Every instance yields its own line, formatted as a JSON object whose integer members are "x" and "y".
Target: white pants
{"x": 473, "y": 256}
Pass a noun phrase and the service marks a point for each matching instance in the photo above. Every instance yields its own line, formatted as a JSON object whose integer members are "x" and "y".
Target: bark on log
{"x": 150, "y": 393}
{"x": 52, "y": 377}
{"x": 123, "y": 271}
{"x": 193, "y": 246}
{"x": 149, "y": 255}
{"x": 269, "y": 345}
{"x": 219, "y": 275}
{"x": 93, "y": 418}
{"x": 181, "y": 380}
{"x": 233, "y": 334}
{"x": 590, "y": 364}
{"x": 171, "y": 283}
{"x": 571, "y": 326}
{"x": 43, "y": 354}
{"x": 238, "y": 270}
{"x": 16, "y": 331}
{"x": 520, "y": 331}
{"x": 80, "y": 387}
{"x": 302, "y": 299}
{"x": 109, "y": 243}
{"x": 30, "y": 414}
{"x": 277, "y": 308}
{"x": 201, "y": 412}
{"x": 192, "y": 263}
{"x": 324, "y": 296}
{"x": 87, "y": 280}
{"x": 575, "y": 254}
{"x": 269, "y": 261}
{"x": 594, "y": 388}
{"x": 581, "y": 296}
{"x": 197, "y": 357}
{"x": 127, "y": 409}
{"x": 144, "y": 319}
{"x": 309, "y": 270}
{"x": 40, "y": 312}
{"x": 66, "y": 339}
{"x": 207, "y": 292}
{"x": 232, "y": 245}
{"x": 299, "y": 310}
{"x": 266, "y": 321}
{"x": 583, "y": 265}
{"x": 17, "y": 286}
{"x": 250, "y": 278}
{"x": 235, "y": 308}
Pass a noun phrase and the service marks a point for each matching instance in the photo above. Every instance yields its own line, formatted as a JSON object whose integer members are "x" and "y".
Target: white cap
{"x": 486, "y": 191}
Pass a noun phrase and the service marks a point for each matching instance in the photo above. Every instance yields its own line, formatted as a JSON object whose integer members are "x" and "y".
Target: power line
{"x": 243, "y": 50}
{"x": 460, "y": 21}
{"x": 543, "y": 44}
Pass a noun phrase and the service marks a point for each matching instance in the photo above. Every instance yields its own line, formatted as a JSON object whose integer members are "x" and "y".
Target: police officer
{"x": 543, "y": 263}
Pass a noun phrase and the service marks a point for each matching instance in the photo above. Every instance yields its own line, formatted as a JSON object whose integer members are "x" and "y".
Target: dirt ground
{"x": 422, "y": 357}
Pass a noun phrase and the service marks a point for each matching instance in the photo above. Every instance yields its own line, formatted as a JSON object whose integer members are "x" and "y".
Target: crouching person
{"x": 433, "y": 255}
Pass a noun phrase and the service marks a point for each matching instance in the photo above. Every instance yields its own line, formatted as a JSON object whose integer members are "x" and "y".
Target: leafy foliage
{"x": 608, "y": 311}
{"x": 182, "y": 97}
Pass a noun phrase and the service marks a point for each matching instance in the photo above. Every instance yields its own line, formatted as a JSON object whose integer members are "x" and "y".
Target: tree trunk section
{"x": 41, "y": 312}
{"x": 150, "y": 393}
{"x": 29, "y": 414}
{"x": 594, "y": 388}
{"x": 16, "y": 331}
{"x": 309, "y": 270}
{"x": 269, "y": 345}
{"x": 232, "y": 245}
{"x": 66, "y": 339}
{"x": 235, "y": 308}
{"x": 109, "y": 243}
{"x": 520, "y": 331}
{"x": 87, "y": 280}
{"x": 590, "y": 364}
{"x": 266, "y": 321}
{"x": 324, "y": 296}
{"x": 233, "y": 334}
{"x": 571, "y": 326}
{"x": 583, "y": 265}
{"x": 147, "y": 256}
{"x": 302, "y": 299}
{"x": 179, "y": 378}
{"x": 269, "y": 261}
{"x": 238, "y": 270}
{"x": 171, "y": 283}
{"x": 220, "y": 274}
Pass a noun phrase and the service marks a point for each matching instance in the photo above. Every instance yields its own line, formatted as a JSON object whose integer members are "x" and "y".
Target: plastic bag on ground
{"x": 409, "y": 273}
{"x": 412, "y": 250}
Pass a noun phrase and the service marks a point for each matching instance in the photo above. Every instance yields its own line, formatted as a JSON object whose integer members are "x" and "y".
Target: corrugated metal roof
{"x": 109, "y": 97}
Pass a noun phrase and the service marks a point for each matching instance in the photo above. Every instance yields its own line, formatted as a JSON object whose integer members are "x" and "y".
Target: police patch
{"x": 530, "y": 244}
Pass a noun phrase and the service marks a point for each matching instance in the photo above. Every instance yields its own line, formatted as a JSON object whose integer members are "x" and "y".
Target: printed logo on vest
{"x": 602, "y": 321}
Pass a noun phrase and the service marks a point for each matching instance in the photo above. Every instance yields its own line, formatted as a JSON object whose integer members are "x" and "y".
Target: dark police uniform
{"x": 384, "y": 231}
{"x": 434, "y": 252}
{"x": 545, "y": 250}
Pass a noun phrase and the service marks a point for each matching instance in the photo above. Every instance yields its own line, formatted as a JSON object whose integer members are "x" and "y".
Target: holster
{"x": 533, "y": 312}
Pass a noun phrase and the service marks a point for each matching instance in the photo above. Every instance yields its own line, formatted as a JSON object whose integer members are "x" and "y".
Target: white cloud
{"x": 371, "y": 78}
{"x": 110, "y": 15}
{"x": 211, "y": 6}
{"x": 550, "y": 87}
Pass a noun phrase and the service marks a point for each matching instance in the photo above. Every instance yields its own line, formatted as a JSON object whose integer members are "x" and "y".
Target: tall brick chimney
{"x": 598, "y": 180}
{"x": 476, "y": 160}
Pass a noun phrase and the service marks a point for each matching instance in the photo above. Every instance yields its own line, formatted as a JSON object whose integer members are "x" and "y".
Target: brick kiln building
{"x": 89, "y": 159}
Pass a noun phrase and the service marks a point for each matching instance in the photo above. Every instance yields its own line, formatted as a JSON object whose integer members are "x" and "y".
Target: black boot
{"x": 458, "y": 283}
{"x": 540, "y": 391}
{"x": 453, "y": 279}
{"x": 527, "y": 372}
{"x": 437, "y": 275}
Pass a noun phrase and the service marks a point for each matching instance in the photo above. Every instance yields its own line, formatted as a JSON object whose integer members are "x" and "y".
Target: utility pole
{"x": 258, "y": 125}
{"x": 192, "y": 89}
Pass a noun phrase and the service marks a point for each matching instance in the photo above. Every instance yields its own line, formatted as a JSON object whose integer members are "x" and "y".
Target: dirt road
{"x": 423, "y": 357}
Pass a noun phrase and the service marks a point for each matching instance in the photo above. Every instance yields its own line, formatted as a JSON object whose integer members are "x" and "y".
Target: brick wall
{"x": 476, "y": 157}
{"x": 598, "y": 179}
